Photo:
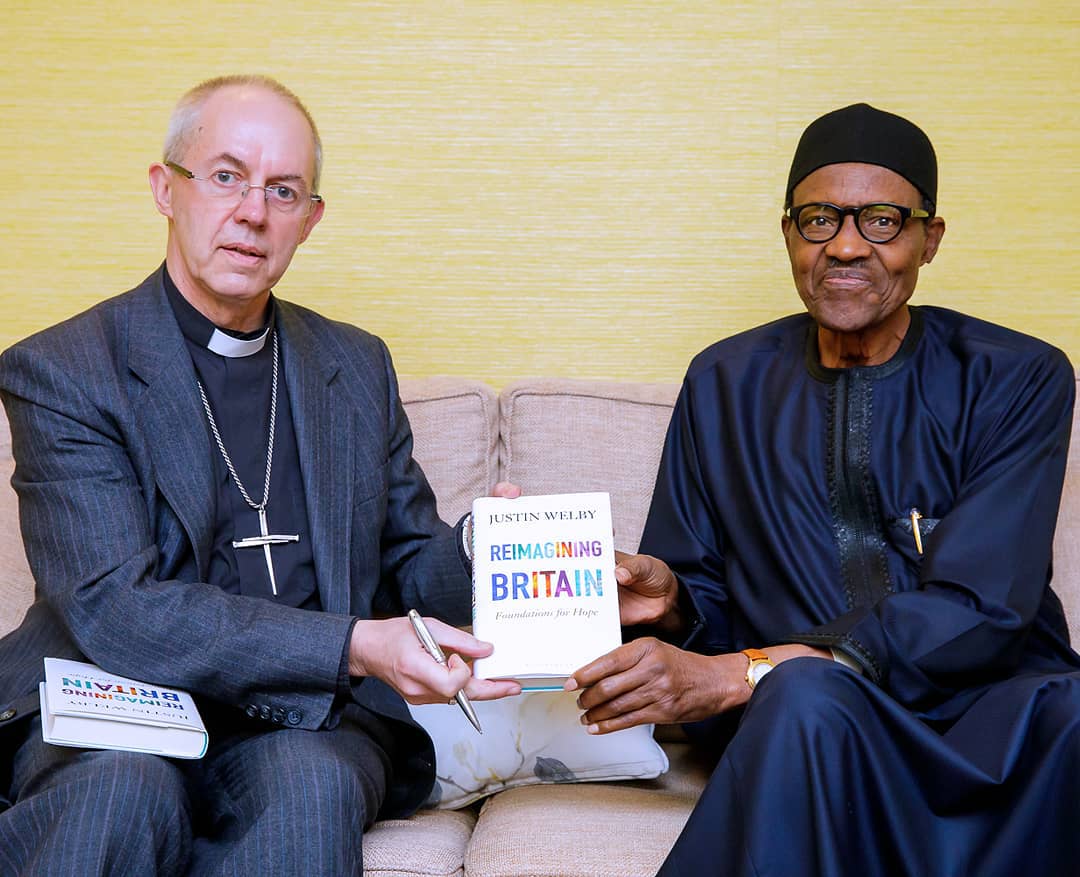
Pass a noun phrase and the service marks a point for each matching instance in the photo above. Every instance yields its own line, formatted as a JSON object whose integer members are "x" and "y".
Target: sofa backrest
{"x": 548, "y": 436}
{"x": 566, "y": 436}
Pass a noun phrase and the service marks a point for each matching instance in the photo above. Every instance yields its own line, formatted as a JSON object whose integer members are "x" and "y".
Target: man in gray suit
{"x": 217, "y": 493}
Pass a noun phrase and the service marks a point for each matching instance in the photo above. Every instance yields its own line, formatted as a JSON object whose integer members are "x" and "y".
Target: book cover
{"x": 82, "y": 705}
{"x": 544, "y": 590}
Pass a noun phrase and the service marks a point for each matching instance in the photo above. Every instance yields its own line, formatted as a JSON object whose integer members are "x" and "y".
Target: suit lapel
{"x": 171, "y": 415}
{"x": 326, "y": 445}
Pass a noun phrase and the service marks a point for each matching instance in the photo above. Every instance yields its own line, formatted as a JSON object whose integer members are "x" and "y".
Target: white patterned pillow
{"x": 532, "y": 738}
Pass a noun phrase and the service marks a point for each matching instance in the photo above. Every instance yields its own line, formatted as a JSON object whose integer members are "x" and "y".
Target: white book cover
{"x": 82, "y": 705}
{"x": 544, "y": 590}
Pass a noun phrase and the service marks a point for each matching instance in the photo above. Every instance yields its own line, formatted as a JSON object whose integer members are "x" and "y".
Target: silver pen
{"x": 432, "y": 648}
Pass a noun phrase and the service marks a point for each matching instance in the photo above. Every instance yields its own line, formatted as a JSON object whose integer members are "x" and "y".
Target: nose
{"x": 252, "y": 207}
{"x": 848, "y": 244}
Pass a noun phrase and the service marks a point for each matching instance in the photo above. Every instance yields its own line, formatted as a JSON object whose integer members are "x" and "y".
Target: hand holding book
{"x": 648, "y": 592}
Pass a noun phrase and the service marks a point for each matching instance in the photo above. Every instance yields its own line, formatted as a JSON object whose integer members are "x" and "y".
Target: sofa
{"x": 468, "y": 437}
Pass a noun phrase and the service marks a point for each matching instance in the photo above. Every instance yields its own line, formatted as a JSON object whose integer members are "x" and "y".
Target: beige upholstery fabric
{"x": 1067, "y": 535}
{"x": 455, "y": 430}
{"x": 622, "y": 830}
{"x": 431, "y": 843}
{"x": 16, "y": 584}
{"x": 563, "y": 436}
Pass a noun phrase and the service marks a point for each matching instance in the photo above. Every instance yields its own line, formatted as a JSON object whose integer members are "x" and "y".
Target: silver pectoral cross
{"x": 265, "y": 539}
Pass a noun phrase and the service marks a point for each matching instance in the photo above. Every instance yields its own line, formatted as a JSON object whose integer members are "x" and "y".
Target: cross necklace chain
{"x": 265, "y": 538}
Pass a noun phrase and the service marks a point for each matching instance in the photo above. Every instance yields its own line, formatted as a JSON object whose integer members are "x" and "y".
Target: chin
{"x": 839, "y": 321}
{"x": 240, "y": 288}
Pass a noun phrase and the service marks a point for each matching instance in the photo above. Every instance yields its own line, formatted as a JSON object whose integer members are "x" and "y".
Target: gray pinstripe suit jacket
{"x": 113, "y": 472}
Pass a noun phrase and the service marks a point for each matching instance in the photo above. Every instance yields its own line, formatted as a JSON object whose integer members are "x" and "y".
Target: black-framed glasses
{"x": 227, "y": 185}
{"x": 820, "y": 222}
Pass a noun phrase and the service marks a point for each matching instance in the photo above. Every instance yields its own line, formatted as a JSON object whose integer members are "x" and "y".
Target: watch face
{"x": 758, "y": 671}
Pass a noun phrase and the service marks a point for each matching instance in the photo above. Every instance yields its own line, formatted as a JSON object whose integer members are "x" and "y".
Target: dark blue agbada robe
{"x": 784, "y": 504}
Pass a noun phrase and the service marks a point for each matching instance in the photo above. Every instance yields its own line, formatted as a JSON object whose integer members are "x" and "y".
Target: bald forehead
{"x": 252, "y": 114}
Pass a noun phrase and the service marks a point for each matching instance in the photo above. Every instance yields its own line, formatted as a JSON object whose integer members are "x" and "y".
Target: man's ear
{"x": 785, "y": 229}
{"x": 161, "y": 188}
{"x": 935, "y": 231}
{"x": 312, "y": 220}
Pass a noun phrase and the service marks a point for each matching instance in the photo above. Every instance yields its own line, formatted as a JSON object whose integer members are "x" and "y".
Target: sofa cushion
{"x": 622, "y": 830}
{"x": 563, "y": 436}
{"x": 429, "y": 844}
{"x": 16, "y": 583}
{"x": 455, "y": 431}
{"x": 528, "y": 740}
{"x": 1067, "y": 535}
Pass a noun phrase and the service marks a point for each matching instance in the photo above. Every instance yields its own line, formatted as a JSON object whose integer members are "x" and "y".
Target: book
{"x": 544, "y": 590}
{"x": 82, "y": 705}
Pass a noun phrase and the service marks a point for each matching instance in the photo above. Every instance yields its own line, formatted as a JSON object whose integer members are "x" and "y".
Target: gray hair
{"x": 185, "y": 117}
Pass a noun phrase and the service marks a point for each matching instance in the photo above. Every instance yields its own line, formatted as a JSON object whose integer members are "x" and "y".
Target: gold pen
{"x": 432, "y": 648}
{"x": 915, "y": 517}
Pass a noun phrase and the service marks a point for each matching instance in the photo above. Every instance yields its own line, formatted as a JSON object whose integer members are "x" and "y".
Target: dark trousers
{"x": 827, "y": 776}
{"x": 265, "y": 802}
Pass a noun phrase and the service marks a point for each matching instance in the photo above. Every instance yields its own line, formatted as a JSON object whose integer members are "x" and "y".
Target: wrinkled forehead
{"x": 258, "y": 128}
{"x": 852, "y": 184}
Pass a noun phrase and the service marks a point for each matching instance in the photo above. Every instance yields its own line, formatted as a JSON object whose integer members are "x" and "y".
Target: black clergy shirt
{"x": 239, "y": 390}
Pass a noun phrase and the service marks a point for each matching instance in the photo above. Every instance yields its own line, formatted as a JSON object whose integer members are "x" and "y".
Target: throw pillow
{"x": 536, "y": 737}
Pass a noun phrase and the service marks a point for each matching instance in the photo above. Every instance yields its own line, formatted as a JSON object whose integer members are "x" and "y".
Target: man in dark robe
{"x": 855, "y": 510}
{"x": 217, "y": 493}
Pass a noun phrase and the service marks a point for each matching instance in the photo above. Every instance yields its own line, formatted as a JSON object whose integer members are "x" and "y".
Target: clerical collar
{"x": 199, "y": 330}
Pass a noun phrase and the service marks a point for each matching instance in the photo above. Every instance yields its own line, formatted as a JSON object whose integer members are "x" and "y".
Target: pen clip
{"x": 916, "y": 516}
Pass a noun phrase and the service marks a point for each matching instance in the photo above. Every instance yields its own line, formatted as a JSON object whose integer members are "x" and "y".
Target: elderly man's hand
{"x": 648, "y": 592}
{"x": 649, "y": 681}
{"x": 390, "y": 650}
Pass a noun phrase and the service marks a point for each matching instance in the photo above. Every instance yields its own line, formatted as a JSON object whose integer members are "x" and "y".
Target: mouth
{"x": 244, "y": 253}
{"x": 846, "y": 280}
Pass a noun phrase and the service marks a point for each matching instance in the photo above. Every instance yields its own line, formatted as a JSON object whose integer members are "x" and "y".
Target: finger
{"x": 616, "y": 661}
{"x": 456, "y": 675}
{"x": 453, "y": 639}
{"x": 614, "y": 693}
{"x": 627, "y": 567}
{"x": 491, "y": 689}
{"x": 620, "y": 723}
{"x": 506, "y": 490}
{"x": 621, "y": 692}
{"x": 426, "y": 681}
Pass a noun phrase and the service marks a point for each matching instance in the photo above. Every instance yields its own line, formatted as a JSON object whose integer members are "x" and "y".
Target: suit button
{"x": 264, "y": 712}
{"x": 279, "y": 715}
{"x": 251, "y": 711}
{"x": 294, "y": 717}
{"x": 7, "y": 714}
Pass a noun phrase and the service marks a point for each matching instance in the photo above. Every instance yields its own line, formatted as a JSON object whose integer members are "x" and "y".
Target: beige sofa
{"x": 467, "y": 438}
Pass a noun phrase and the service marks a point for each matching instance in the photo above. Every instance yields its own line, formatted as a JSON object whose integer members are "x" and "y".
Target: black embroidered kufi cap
{"x": 862, "y": 133}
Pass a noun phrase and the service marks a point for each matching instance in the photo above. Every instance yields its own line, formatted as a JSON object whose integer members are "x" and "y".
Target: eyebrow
{"x": 241, "y": 165}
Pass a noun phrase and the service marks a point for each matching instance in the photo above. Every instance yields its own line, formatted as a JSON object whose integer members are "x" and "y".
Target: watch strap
{"x": 756, "y": 657}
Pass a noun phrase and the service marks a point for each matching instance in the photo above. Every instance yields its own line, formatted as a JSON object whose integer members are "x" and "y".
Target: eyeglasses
{"x": 878, "y": 223}
{"x": 230, "y": 187}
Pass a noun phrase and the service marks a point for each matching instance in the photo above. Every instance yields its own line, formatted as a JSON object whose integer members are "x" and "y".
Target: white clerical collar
{"x": 224, "y": 344}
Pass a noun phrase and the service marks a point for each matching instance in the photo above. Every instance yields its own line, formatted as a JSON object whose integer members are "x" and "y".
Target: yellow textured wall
{"x": 570, "y": 188}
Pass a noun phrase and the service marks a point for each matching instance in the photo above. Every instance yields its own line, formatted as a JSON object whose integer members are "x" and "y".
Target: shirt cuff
{"x": 344, "y": 685}
{"x": 846, "y": 659}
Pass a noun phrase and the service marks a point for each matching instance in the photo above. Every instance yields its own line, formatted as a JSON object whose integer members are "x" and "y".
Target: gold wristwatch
{"x": 760, "y": 664}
